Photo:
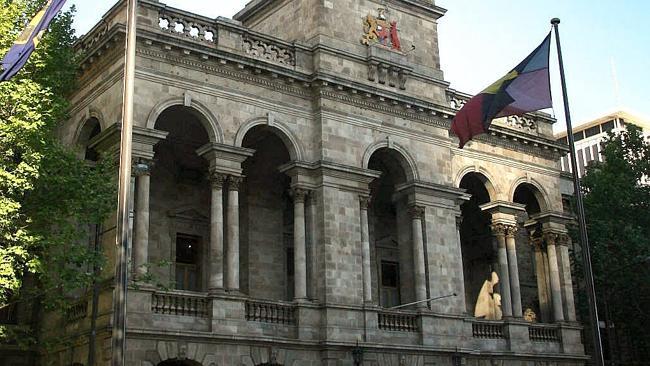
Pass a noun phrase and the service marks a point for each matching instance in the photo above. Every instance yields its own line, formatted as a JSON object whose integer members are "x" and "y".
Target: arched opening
{"x": 89, "y": 130}
{"x": 266, "y": 218}
{"x": 177, "y": 362}
{"x": 477, "y": 243}
{"x": 390, "y": 232}
{"x": 532, "y": 258}
{"x": 180, "y": 198}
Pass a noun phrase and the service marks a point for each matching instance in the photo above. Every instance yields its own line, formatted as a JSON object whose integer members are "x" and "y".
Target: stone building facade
{"x": 293, "y": 185}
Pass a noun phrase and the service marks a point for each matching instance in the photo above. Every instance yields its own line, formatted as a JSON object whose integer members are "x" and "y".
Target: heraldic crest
{"x": 378, "y": 30}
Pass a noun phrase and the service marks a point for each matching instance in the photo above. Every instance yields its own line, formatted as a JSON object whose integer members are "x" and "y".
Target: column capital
{"x": 364, "y": 202}
{"x": 299, "y": 194}
{"x": 416, "y": 212}
{"x": 537, "y": 242}
{"x": 234, "y": 182}
{"x": 217, "y": 179}
{"x": 563, "y": 240}
{"x": 141, "y": 166}
{"x": 503, "y": 229}
{"x": 551, "y": 237}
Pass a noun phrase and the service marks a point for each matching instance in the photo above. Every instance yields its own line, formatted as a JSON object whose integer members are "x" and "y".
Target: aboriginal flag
{"x": 19, "y": 53}
{"x": 524, "y": 89}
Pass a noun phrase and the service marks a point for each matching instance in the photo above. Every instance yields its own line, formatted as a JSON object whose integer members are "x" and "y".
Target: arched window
{"x": 266, "y": 223}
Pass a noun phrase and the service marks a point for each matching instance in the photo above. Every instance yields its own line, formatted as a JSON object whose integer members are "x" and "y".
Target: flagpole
{"x": 123, "y": 237}
{"x": 586, "y": 255}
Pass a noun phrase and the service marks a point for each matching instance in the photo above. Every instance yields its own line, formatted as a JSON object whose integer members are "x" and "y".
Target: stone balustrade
{"x": 187, "y": 26}
{"x": 180, "y": 304}
{"x": 544, "y": 333}
{"x": 270, "y": 312}
{"x": 398, "y": 321}
{"x": 488, "y": 330}
{"x": 269, "y": 50}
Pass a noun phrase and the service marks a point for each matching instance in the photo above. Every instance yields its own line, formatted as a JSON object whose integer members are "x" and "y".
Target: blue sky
{"x": 482, "y": 40}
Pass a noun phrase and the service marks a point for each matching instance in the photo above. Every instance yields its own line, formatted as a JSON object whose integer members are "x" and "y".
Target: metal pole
{"x": 586, "y": 255}
{"x": 421, "y": 301}
{"x": 122, "y": 237}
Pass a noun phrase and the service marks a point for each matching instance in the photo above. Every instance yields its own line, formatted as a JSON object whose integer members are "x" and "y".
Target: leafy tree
{"x": 617, "y": 206}
{"x": 48, "y": 197}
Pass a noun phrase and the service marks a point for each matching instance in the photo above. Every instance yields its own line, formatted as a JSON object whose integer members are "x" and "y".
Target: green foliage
{"x": 617, "y": 206}
{"x": 48, "y": 197}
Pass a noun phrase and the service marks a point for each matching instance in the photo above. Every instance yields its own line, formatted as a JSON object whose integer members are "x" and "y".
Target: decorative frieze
{"x": 523, "y": 123}
{"x": 269, "y": 51}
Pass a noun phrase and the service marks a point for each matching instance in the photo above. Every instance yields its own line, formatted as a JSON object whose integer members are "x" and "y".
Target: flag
{"x": 525, "y": 89}
{"x": 19, "y": 53}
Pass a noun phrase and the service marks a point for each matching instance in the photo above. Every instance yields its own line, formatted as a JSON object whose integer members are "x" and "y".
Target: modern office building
{"x": 590, "y": 134}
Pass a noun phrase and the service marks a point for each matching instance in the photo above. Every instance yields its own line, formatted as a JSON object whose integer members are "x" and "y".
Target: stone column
{"x": 499, "y": 230}
{"x": 513, "y": 271}
{"x": 142, "y": 171}
{"x": 542, "y": 279}
{"x": 554, "y": 274}
{"x": 417, "y": 213}
{"x": 567, "y": 283}
{"x": 232, "y": 259}
{"x": 365, "y": 249}
{"x": 299, "y": 244}
{"x": 215, "y": 259}
{"x": 462, "y": 295}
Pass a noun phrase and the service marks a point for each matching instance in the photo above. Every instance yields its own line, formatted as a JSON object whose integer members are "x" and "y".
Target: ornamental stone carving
{"x": 142, "y": 167}
{"x": 521, "y": 123}
{"x": 416, "y": 212}
{"x": 299, "y": 194}
{"x": 364, "y": 202}
{"x": 217, "y": 179}
{"x": 268, "y": 51}
{"x": 235, "y": 182}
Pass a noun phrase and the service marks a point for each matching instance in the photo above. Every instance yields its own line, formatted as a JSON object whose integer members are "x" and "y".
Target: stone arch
{"x": 406, "y": 160}
{"x": 483, "y": 175}
{"x": 91, "y": 113}
{"x": 201, "y": 112}
{"x": 537, "y": 189}
{"x": 296, "y": 152}
{"x": 171, "y": 353}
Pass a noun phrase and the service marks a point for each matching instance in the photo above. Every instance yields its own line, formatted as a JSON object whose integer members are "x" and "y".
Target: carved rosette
{"x": 416, "y": 212}
{"x": 299, "y": 195}
{"x": 218, "y": 179}
{"x": 364, "y": 202}
{"x": 235, "y": 182}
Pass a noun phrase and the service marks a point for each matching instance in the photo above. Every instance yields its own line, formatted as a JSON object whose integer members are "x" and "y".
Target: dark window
{"x": 578, "y": 136}
{"x": 608, "y": 126}
{"x": 562, "y": 140}
{"x": 593, "y": 131}
{"x": 389, "y": 284}
{"x": 588, "y": 155}
{"x": 594, "y": 150}
{"x": 187, "y": 263}
{"x": 621, "y": 123}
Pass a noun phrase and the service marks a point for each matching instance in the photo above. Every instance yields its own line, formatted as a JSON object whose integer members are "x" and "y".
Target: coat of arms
{"x": 379, "y": 30}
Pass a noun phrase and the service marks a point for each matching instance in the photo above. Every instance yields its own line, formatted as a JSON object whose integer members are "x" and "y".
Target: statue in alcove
{"x": 488, "y": 304}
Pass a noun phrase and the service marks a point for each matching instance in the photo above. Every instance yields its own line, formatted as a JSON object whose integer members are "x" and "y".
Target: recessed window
{"x": 389, "y": 284}
{"x": 578, "y": 136}
{"x": 593, "y": 131}
{"x": 187, "y": 262}
{"x": 608, "y": 126}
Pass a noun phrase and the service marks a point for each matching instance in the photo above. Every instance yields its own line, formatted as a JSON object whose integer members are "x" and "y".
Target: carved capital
{"x": 551, "y": 238}
{"x": 511, "y": 230}
{"x": 498, "y": 229}
{"x": 217, "y": 179}
{"x": 416, "y": 212}
{"x": 536, "y": 242}
{"x": 299, "y": 195}
{"x": 364, "y": 202}
{"x": 563, "y": 240}
{"x": 141, "y": 167}
{"x": 234, "y": 182}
